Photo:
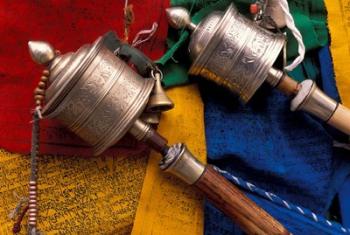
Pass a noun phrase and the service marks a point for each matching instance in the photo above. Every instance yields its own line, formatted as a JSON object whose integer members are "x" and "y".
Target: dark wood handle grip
{"x": 230, "y": 200}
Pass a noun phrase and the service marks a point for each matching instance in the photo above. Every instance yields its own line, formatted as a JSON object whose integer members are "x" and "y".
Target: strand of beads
{"x": 39, "y": 92}
{"x": 32, "y": 203}
{"x": 39, "y": 97}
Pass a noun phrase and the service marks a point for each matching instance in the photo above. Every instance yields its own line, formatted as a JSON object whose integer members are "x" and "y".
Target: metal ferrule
{"x": 311, "y": 99}
{"x": 151, "y": 117}
{"x": 140, "y": 130}
{"x": 180, "y": 162}
{"x": 274, "y": 77}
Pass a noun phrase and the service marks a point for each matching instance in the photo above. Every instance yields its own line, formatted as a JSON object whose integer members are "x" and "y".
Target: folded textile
{"x": 344, "y": 201}
{"x": 338, "y": 22}
{"x": 289, "y": 154}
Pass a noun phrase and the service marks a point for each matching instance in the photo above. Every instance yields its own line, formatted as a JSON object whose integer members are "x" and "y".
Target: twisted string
{"x": 296, "y": 33}
{"x": 38, "y": 111}
{"x": 129, "y": 18}
{"x": 17, "y": 226}
{"x": 345, "y": 146}
{"x": 16, "y": 211}
{"x": 148, "y": 33}
{"x": 279, "y": 201}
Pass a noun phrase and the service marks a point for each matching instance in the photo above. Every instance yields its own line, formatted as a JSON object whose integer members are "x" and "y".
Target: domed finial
{"x": 41, "y": 52}
{"x": 179, "y": 17}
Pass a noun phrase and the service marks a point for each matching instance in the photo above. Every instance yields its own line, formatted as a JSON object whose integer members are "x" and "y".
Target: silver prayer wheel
{"x": 230, "y": 49}
{"x": 93, "y": 92}
{"x": 238, "y": 54}
{"x": 100, "y": 98}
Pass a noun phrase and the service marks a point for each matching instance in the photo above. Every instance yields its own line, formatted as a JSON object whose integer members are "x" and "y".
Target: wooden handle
{"x": 341, "y": 119}
{"x": 231, "y": 201}
{"x": 288, "y": 85}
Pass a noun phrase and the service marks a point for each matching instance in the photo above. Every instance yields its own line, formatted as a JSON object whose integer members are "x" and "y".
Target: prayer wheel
{"x": 235, "y": 52}
{"x": 100, "y": 98}
{"x": 82, "y": 85}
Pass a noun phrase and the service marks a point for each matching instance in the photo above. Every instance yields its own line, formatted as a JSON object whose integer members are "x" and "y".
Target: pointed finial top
{"x": 41, "y": 52}
{"x": 179, "y": 17}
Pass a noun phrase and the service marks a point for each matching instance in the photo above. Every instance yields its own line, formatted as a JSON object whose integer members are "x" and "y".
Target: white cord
{"x": 146, "y": 33}
{"x": 38, "y": 110}
{"x": 296, "y": 33}
{"x": 126, "y": 4}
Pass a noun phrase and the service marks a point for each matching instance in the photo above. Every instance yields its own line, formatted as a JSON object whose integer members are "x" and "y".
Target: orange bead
{"x": 42, "y": 85}
{"x": 39, "y": 91}
{"x": 46, "y": 72}
{"x": 44, "y": 79}
{"x": 37, "y": 102}
{"x": 254, "y": 8}
{"x": 39, "y": 97}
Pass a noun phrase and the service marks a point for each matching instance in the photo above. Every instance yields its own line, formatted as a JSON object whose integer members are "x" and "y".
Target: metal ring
{"x": 157, "y": 70}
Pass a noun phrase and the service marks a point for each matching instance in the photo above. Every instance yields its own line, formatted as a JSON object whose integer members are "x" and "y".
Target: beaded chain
{"x": 39, "y": 97}
{"x": 39, "y": 92}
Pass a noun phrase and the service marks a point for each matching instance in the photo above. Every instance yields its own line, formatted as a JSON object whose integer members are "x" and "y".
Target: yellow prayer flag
{"x": 339, "y": 27}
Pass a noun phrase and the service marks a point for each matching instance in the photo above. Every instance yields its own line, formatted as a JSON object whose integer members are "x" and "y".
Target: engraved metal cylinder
{"x": 233, "y": 51}
{"x": 95, "y": 94}
{"x": 312, "y": 100}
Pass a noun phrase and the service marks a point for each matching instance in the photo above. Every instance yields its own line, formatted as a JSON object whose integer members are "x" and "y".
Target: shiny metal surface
{"x": 274, "y": 10}
{"x": 179, "y": 17}
{"x": 151, "y": 117}
{"x": 65, "y": 71}
{"x": 274, "y": 76}
{"x": 140, "y": 130}
{"x": 180, "y": 162}
{"x": 312, "y": 100}
{"x": 41, "y": 52}
{"x": 204, "y": 31}
{"x": 96, "y": 95}
{"x": 159, "y": 101}
{"x": 233, "y": 51}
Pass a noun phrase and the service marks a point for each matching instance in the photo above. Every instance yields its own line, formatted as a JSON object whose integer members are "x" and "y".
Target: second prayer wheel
{"x": 237, "y": 53}
{"x": 233, "y": 51}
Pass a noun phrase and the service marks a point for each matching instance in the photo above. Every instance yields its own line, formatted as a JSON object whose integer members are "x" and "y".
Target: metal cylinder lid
{"x": 95, "y": 94}
{"x": 65, "y": 70}
{"x": 203, "y": 33}
{"x": 233, "y": 51}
